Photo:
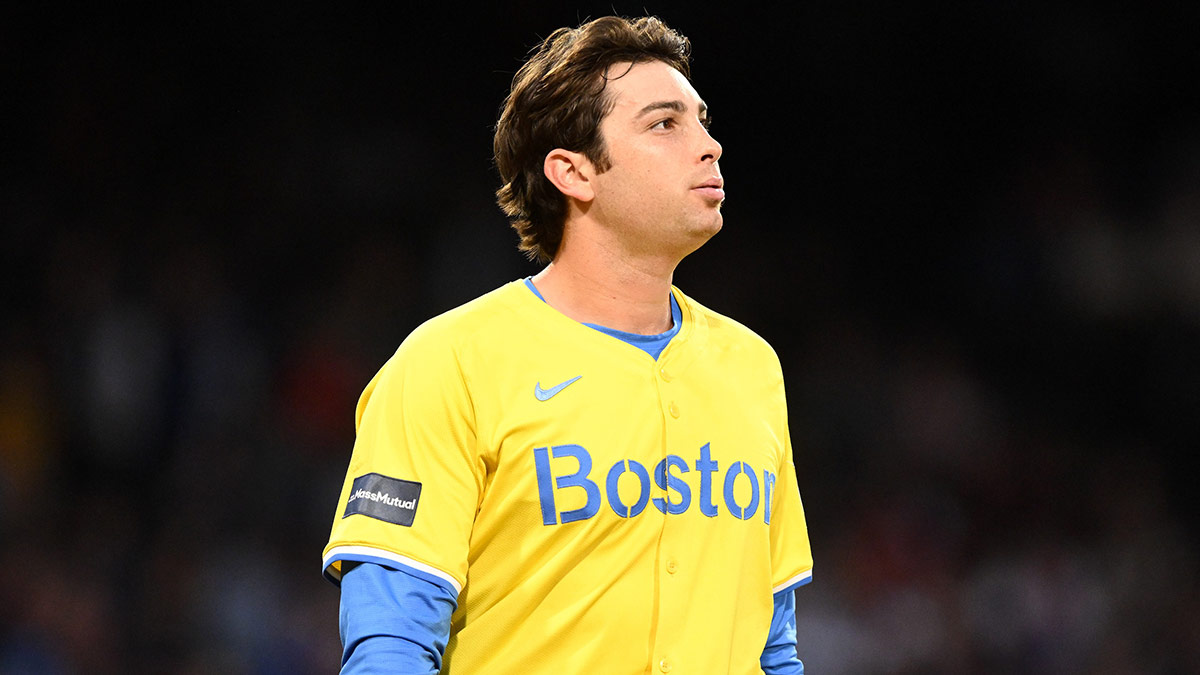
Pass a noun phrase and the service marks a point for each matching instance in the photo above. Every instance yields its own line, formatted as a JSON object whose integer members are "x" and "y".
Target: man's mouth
{"x": 713, "y": 189}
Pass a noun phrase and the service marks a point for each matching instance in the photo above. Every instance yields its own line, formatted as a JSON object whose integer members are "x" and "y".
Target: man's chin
{"x": 714, "y": 225}
{"x": 703, "y": 232}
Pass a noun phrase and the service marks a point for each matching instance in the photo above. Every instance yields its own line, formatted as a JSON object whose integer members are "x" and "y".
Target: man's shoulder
{"x": 474, "y": 321}
{"x": 452, "y": 341}
{"x": 436, "y": 355}
{"x": 727, "y": 332}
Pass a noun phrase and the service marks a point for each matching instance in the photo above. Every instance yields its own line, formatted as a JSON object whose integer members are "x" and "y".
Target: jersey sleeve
{"x": 413, "y": 485}
{"x": 791, "y": 553}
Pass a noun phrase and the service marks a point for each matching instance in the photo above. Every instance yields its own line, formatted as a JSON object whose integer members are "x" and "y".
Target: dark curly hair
{"x": 558, "y": 100}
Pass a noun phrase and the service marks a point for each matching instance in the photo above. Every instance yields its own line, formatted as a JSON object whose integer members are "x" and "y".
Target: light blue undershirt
{"x": 395, "y": 620}
{"x": 651, "y": 344}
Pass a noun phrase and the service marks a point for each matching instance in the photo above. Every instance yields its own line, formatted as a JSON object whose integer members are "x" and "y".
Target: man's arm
{"x": 393, "y": 622}
{"x": 779, "y": 656}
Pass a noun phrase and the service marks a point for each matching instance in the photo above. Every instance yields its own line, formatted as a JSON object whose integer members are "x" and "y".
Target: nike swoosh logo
{"x": 546, "y": 394}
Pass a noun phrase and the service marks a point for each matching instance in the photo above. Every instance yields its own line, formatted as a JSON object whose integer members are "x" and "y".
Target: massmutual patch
{"x": 387, "y": 499}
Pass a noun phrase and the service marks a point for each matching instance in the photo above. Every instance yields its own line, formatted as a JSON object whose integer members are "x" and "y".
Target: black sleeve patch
{"x": 383, "y": 498}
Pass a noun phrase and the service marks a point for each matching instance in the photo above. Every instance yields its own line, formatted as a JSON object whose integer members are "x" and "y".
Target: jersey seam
{"x": 332, "y": 556}
{"x": 795, "y": 581}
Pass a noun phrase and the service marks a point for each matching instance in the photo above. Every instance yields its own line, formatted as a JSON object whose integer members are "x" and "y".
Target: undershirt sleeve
{"x": 392, "y": 621}
{"x": 779, "y": 656}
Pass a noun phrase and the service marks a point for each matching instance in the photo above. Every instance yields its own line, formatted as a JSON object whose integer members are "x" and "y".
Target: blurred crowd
{"x": 195, "y": 292}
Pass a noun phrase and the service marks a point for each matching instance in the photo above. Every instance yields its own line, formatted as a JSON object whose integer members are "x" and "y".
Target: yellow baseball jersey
{"x": 595, "y": 509}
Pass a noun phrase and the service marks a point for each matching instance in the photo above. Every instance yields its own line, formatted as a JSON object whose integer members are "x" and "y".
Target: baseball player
{"x": 585, "y": 471}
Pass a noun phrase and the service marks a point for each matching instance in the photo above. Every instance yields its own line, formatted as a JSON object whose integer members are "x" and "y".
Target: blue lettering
{"x": 706, "y": 466}
{"x": 768, "y": 495}
{"x": 577, "y": 479}
{"x": 614, "y": 497}
{"x": 668, "y": 475}
{"x": 668, "y": 481}
{"x": 541, "y": 465}
{"x": 739, "y": 468}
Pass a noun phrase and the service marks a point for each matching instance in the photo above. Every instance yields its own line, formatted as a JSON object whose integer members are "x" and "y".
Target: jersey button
{"x": 673, "y": 409}
{"x": 664, "y": 666}
{"x": 672, "y": 567}
{"x": 666, "y": 375}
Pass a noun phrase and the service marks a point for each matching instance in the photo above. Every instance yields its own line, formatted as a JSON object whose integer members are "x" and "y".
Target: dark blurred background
{"x": 971, "y": 231}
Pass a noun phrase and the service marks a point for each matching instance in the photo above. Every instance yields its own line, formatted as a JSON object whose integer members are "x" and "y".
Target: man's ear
{"x": 570, "y": 172}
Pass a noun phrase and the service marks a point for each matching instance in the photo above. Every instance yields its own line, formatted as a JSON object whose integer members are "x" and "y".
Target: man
{"x": 585, "y": 471}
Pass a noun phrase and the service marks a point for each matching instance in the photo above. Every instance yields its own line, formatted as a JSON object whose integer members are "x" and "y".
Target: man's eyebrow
{"x": 676, "y": 106}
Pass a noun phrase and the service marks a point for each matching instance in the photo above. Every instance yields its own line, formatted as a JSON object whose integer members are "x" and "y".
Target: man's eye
{"x": 706, "y": 122}
{"x": 664, "y": 124}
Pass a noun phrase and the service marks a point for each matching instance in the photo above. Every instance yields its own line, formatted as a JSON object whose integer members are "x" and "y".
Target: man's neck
{"x": 629, "y": 295}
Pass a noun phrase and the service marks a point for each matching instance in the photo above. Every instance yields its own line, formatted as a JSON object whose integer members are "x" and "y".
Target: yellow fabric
{"x": 455, "y": 410}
